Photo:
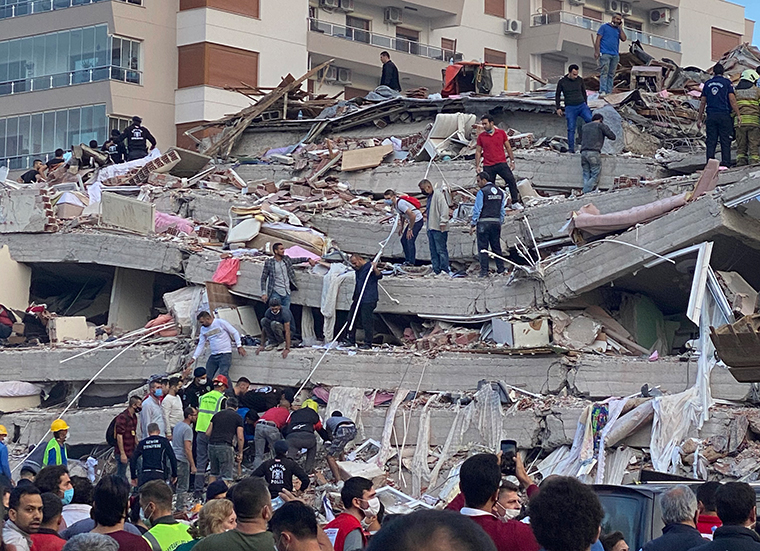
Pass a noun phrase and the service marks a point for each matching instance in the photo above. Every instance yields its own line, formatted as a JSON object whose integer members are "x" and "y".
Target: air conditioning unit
{"x": 344, "y": 76}
{"x": 512, "y": 27}
{"x": 577, "y": 2}
{"x": 617, "y": 6}
{"x": 330, "y": 74}
{"x": 329, "y": 4}
{"x": 347, "y": 5}
{"x": 393, "y": 15}
{"x": 660, "y": 16}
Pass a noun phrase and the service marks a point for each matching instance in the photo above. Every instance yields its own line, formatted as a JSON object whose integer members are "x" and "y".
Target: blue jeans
{"x": 439, "y": 252}
{"x": 572, "y": 112}
{"x": 121, "y": 468}
{"x": 607, "y": 67}
{"x": 409, "y": 245}
{"x": 591, "y": 161}
{"x": 219, "y": 364}
{"x": 284, "y": 299}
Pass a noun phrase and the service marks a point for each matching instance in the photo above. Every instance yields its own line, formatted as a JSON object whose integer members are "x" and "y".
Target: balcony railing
{"x": 17, "y": 8}
{"x": 380, "y": 40}
{"x": 552, "y": 18}
{"x": 71, "y": 78}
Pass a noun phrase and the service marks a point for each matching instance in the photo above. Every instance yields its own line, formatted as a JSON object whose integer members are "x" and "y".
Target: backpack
{"x": 111, "y": 433}
{"x": 413, "y": 200}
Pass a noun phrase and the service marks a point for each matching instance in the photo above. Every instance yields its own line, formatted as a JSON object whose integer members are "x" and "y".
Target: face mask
{"x": 280, "y": 545}
{"x": 507, "y": 514}
{"x": 373, "y": 507}
{"x": 68, "y": 495}
{"x": 158, "y": 392}
{"x": 203, "y": 381}
{"x": 389, "y": 202}
{"x": 138, "y": 410}
{"x": 144, "y": 518}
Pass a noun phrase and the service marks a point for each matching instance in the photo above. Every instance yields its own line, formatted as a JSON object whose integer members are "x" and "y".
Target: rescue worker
{"x": 748, "y": 121}
{"x": 156, "y": 451}
{"x": 5, "y": 468}
{"x": 487, "y": 217}
{"x": 165, "y": 534}
{"x": 55, "y": 451}
{"x": 137, "y": 137}
{"x": 210, "y": 404}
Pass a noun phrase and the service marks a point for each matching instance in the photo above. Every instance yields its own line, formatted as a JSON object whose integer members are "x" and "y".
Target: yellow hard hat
{"x": 59, "y": 424}
{"x": 750, "y": 75}
{"x": 3, "y": 430}
{"x": 311, "y": 404}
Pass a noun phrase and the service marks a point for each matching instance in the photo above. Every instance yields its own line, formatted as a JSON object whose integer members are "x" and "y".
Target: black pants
{"x": 719, "y": 126}
{"x": 503, "y": 170}
{"x": 137, "y": 154}
{"x": 366, "y": 319}
{"x": 489, "y": 234}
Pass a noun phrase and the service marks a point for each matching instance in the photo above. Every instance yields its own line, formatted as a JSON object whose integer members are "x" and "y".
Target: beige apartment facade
{"x": 71, "y": 70}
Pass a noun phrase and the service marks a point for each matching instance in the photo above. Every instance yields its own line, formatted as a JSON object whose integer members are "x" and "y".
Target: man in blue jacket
{"x": 487, "y": 217}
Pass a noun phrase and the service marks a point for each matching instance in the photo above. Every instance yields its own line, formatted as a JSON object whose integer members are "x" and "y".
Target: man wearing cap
{"x": 219, "y": 334}
{"x": 55, "y": 451}
{"x": 748, "y": 121}
{"x": 719, "y": 100}
{"x": 299, "y": 432}
{"x": 210, "y": 404}
{"x": 137, "y": 137}
{"x": 200, "y": 385}
{"x": 5, "y": 468}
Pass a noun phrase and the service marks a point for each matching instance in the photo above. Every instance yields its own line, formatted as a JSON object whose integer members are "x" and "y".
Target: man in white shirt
{"x": 219, "y": 334}
{"x": 410, "y": 225}
{"x": 152, "y": 412}
{"x": 172, "y": 404}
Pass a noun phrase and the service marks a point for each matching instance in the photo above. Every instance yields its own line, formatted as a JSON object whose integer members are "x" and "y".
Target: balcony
{"x": 578, "y": 21}
{"x": 18, "y": 8}
{"x": 70, "y": 78}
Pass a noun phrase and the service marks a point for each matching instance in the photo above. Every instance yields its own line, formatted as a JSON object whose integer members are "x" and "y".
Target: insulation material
{"x": 350, "y": 401}
{"x": 488, "y": 416}
{"x": 385, "y": 442}
{"x": 420, "y": 469}
{"x": 331, "y": 283}
{"x": 617, "y": 461}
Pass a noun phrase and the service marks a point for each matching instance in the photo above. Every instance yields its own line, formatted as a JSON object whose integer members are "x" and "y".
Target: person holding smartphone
{"x": 607, "y": 51}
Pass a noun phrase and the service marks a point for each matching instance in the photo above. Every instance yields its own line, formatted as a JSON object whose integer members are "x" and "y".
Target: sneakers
{"x": 281, "y": 346}
{"x": 269, "y": 348}
{"x": 365, "y": 346}
{"x": 518, "y": 207}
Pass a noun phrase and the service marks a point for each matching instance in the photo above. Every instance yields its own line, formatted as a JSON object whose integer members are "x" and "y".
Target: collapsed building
{"x": 593, "y": 352}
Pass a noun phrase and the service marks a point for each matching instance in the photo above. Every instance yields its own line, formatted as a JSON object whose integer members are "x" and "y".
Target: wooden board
{"x": 368, "y": 157}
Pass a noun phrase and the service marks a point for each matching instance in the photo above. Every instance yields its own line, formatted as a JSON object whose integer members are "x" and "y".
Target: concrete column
{"x": 17, "y": 278}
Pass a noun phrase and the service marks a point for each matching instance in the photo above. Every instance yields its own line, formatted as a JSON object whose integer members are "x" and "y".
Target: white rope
{"x": 126, "y": 336}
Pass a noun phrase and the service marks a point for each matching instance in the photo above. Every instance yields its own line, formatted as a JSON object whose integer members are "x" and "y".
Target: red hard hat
{"x": 222, "y": 379}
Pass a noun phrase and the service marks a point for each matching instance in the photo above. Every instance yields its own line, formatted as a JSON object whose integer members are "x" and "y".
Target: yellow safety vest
{"x": 60, "y": 453}
{"x": 167, "y": 537}
{"x": 210, "y": 403}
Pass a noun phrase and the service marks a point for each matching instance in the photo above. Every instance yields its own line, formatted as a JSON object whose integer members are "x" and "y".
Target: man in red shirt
{"x": 491, "y": 157}
{"x": 125, "y": 428}
{"x": 479, "y": 480}
{"x": 47, "y": 538}
{"x": 268, "y": 427}
{"x": 346, "y": 532}
{"x": 708, "y": 520}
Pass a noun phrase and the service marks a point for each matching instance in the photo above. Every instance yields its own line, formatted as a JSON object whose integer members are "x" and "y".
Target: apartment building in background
{"x": 72, "y": 70}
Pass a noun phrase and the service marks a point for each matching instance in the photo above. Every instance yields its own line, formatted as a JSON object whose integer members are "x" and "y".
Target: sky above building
{"x": 752, "y": 11}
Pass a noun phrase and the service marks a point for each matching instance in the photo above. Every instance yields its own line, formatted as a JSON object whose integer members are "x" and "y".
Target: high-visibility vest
{"x": 167, "y": 537}
{"x": 210, "y": 403}
{"x": 60, "y": 453}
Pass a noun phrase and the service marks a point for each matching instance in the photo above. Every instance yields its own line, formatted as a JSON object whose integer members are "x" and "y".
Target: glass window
{"x": 62, "y": 55}
{"x": 48, "y": 132}
{"x": 99, "y": 123}
{"x": 4, "y": 47}
{"x": 36, "y": 142}
{"x": 11, "y": 137}
{"x": 25, "y": 134}
{"x": 2, "y": 138}
{"x": 101, "y": 46}
{"x": 73, "y": 133}
{"x": 61, "y": 124}
{"x": 51, "y": 54}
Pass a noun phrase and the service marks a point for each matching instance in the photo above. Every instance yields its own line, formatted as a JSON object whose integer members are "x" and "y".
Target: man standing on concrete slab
{"x": 719, "y": 100}
{"x": 572, "y": 87}
{"x": 492, "y": 151}
{"x": 364, "y": 303}
{"x": 269, "y": 425}
{"x": 748, "y": 124}
{"x": 437, "y": 214}
{"x": 278, "y": 276}
{"x": 607, "y": 51}
{"x": 410, "y": 225}
{"x": 219, "y": 334}
{"x": 137, "y": 137}
{"x": 487, "y": 217}
{"x": 592, "y": 143}
{"x": 389, "y": 77}
{"x": 277, "y": 326}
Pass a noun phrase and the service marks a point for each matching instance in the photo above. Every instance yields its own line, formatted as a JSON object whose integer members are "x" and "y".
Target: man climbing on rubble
{"x": 491, "y": 156}
{"x": 299, "y": 432}
{"x": 719, "y": 100}
{"x": 225, "y": 433}
{"x": 592, "y": 142}
{"x": 364, "y": 301}
{"x": 219, "y": 334}
{"x": 210, "y": 404}
{"x": 34, "y": 174}
{"x": 137, "y": 137}
{"x": 410, "y": 225}
{"x": 346, "y": 532}
{"x": 748, "y": 122}
{"x": 342, "y": 430}
{"x": 437, "y": 215}
{"x": 277, "y": 326}
{"x": 241, "y": 387}
{"x": 389, "y": 76}
{"x": 487, "y": 217}
{"x": 269, "y": 425}
{"x": 278, "y": 276}
{"x": 55, "y": 451}
{"x": 115, "y": 149}
{"x": 607, "y": 51}
{"x": 572, "y": 87}
{"x": 152, "y": 412}
{"x": 125, "y": 432}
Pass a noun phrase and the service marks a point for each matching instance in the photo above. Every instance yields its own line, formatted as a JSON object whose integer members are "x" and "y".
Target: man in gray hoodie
{"x": 437, "y": 214}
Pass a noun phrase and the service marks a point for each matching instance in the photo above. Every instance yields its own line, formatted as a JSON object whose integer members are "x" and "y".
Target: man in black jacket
{"x": 137, "y": 137}
{"x": 572, "y": 87}
{"x": 279, "y": 472}
{"x": 155, "y": 451}
{"x": 736, "y": 509}
{"x": 679, "y": 514}
{"x": 389, "y": 77}
{"x": 299, "y": 432}
{"x": 365, "y": 303}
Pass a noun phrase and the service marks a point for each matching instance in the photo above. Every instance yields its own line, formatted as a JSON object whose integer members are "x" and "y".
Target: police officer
{"x": 487, "y": 217}
{"x": 210, "y": 404}
{"x": 156, "y": 452}
{"x": 115, "y": 149}
{"x": 55, "y": 451}
{"x": 137, "y": 137}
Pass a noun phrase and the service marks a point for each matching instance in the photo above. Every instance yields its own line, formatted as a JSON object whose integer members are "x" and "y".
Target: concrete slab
{"x": 128, "y": 213}
{"x": 17, "y": 279}
{"x": 23, "y": 211}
